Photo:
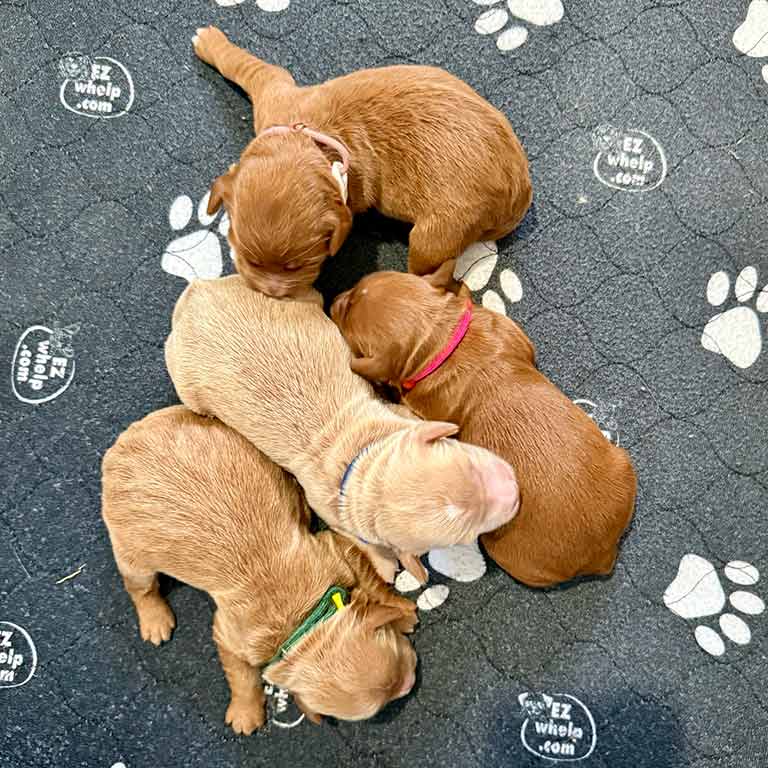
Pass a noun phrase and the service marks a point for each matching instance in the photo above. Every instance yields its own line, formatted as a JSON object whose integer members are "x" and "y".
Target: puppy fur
{"x": 577, "y": 490}
{"x": 425, "y": 148}
{"x": 189, "y": 497}
{"x": 278, "y": 372}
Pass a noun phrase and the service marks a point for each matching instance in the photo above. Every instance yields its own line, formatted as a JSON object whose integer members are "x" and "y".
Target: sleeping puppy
{"x": 278, "y": 372}
{"x": 191, "y": 498}
{"x": 413, "y": 142}
{"x": 452, "y": 360}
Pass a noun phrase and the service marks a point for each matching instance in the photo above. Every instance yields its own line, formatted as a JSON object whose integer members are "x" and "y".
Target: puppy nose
{"x": 407, "y": 685}
{"x": 276, "y": 290}
{"x": 338, "y": 305}
{"x": 502, "y": 492}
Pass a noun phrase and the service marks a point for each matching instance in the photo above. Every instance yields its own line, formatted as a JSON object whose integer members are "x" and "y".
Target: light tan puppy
{"x": 189, "y": 497}
{"x": 278, "y": 372}
{"x": 421, "y": 147}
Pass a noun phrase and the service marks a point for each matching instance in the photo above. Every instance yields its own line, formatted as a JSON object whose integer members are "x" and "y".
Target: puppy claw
{"x": 156, "y": 623}
{"x": 245, "y": 717}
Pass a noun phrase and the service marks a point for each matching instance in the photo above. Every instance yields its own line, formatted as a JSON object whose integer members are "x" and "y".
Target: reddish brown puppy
{"x": 414, "y": 142}
{"x": 577, "y": 490}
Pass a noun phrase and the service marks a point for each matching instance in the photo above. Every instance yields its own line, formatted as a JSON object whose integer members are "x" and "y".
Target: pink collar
{"x": 458, "y": 334}
{"x": 320, "y": 138}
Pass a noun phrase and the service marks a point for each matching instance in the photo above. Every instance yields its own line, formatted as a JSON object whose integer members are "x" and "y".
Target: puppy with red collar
{"x": 454, "y": 361}
{"x": 414, "y": 142}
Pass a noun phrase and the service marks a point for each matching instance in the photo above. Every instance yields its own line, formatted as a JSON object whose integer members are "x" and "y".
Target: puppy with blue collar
{"x": 279, "y": 373}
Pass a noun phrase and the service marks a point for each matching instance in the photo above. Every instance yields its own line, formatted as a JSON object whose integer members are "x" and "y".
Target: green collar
{"x": 332, "y": 602}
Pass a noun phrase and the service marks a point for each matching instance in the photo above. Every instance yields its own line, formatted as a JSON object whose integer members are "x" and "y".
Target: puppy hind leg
{"x": 435, "y": 240}
{"x": 252, "y": 74}
{"x": 156, "y": 619}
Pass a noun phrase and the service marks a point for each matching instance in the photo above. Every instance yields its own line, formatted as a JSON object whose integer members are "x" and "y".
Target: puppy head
{"x": 419, "y": 490}
{"x": 350, "y": 666}
{"x": 286, "y": 214}
{"x": 390, "y": 318}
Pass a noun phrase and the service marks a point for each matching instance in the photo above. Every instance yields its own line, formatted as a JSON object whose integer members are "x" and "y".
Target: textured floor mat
{"x": 639, "y": 274}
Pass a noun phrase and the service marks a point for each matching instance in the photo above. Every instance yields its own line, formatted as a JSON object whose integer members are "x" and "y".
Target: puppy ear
{"x": 371, "y": 368}
{"x": 340, "y": 232}
{"x": 281, "y": 673}
{"x": 313, "y": 717}
{"x": 414, "y": 566}
{"x": 429, "y": 431}
{"x": 442, "y": 278}
{"x": 221, "y": 190}
{"x": 379, "y": 615}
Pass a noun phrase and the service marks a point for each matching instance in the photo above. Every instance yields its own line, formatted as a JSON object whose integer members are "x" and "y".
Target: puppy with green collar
{"x": 189, "y": 497}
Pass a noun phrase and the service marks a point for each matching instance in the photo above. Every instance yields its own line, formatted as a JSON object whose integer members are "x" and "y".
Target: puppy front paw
{"x": 206, "y": 42}
{"x": 406, "y": 623}
{"x": 245, "y": 716}
{"x": 156, "y": 621}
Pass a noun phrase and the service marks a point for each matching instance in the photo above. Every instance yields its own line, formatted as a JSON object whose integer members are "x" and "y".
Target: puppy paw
{"x": 245, "y": 716}
{"x": 386, "y": 569}
{"x": 206, "y": 42}
{"x": 407, "y": 623}
{"x": 156, "y": 621}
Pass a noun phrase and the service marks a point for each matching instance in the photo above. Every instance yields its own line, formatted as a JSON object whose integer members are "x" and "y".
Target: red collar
{"x": 458, "y": 334}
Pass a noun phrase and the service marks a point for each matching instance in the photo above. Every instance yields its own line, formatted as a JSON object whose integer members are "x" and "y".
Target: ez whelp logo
{"x": 630, "y": 160}
{"x": 557, "y": 726}
{"x": 18, "y": 656}
{"x": 283, "y": 711}
{"x": 43, "y": 363}
{"x": 99, "y": 87}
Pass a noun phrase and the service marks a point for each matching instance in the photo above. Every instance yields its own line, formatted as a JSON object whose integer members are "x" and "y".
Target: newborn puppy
{"x": 413, "y": 142}
{"x": 577, "y": 490}
{"x": 278, "y": 372}
{"x": 191, "y": 498}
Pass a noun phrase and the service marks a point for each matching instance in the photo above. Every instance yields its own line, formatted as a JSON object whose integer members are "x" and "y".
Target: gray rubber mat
{"x": 638, "y": 274}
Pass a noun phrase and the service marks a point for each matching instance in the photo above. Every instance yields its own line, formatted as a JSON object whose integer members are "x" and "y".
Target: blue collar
{"x": 345, "y": 480}
{"x": 348, "y": 471}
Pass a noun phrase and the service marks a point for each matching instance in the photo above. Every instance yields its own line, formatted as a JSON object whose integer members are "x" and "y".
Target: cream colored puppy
{"x": 278, "y": 372}
{"x": 191, "y": 498}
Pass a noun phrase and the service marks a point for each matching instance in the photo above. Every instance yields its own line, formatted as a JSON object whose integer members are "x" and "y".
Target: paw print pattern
{"x": 271, "y": 6}
{"x": 751, "y": 37}
{"x": 196, "y": 255}
{"x": 697, "y": 592}
{"x": 539, "y": 13}
{"x": 463, "y": 562}
{"x": 735, "y": 333}
{"x": 475, "y": 267}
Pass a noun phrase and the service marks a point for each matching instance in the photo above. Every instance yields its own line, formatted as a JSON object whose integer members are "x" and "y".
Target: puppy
{"x": 191, "y": 498}
{"x": 278, "y": 372}
{"x": 577, "y": 490}
{"x": 414, "y": 142}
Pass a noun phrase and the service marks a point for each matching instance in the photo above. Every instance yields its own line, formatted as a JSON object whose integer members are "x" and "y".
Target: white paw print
{"x": 697, "y": 592}
{"x": 751, "y": 38}
{"x": 463, "y": 562}
{"x": 540, "y": 13}
{"x": 475, "y": 267}
{"x": 196, "y": 255}
{"x": 272, "y": 6}
{"x": 735, "y": 333}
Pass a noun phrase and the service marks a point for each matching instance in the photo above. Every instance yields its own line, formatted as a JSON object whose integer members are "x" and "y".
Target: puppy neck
{"x": 355, "y": 487}
{"x": 437, "y": 349}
